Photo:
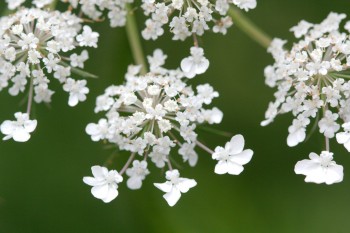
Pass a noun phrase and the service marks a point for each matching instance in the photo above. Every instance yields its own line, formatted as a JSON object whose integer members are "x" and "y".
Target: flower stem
{"x": 249, "y": 28}
{"x": 327, "y": 144}
{"x": 204, "y": 147}
{"x": 134, "y": 40}
{"x": 53, "y": 5}
{"x": 127, "y": 164}
{"x": 30, "y": 96}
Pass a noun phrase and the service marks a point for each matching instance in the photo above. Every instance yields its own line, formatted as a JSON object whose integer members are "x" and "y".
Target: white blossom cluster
{"x": 189, "y": 17}
{"x": 151, "y": 115}
{"x": 94, "y": 9}
{"x": 36, "y": 44}
{"x": 313, "y": 83}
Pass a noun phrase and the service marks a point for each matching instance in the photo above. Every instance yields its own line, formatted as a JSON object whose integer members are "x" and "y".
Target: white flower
{"x": 20, "y": 129}
{"x": 105, "y": 183}
{"x": 77, "y": 91}
{"x": 232, "y": 157}
{"x": 186, "y": 18}
{"x": 194, "y": 64}
{"x": 311, "y": 79}
{"x": 344, "y": 137}
{"x": 189, "y": 154}
{"x": 98, "y": 131}
{"x": 297, "y": 131}
{"x": 145, "y": 113}
{"x": 37, "y": 45}
{"x": 88, "y": 37}
{"x": 328, "y": 125}
{"x": 245, "y": 4}
{"x": 137, "y": 174}
{"x": 175, "y": 186}
{"x": 320, "y": 169}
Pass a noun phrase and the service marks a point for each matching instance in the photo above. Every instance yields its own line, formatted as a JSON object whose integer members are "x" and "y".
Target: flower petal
{"x": 185, "y": 184}
{"x": 242, "y": 158}
{"x": 172, "y": 197}
{"x": 165, "y": 187}
{"x": 111, "y": 195}
{"x": 100, "y": 191}
{"x": 234, "y": 168}
{"x": 236, "y": 144}
{"x": 221, "y": 167}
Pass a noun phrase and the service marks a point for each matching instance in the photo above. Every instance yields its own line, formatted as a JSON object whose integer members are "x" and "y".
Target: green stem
{"x": 248, "y": 27}
{"x": 53, "y": 5}
{"x": 134, "y": 40}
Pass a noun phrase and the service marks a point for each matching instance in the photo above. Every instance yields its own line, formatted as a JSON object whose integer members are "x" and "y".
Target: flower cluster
{"x": 189, "y": 17}
{"x": 115, "y": 10}
{"x": 35, "y": 44}
{"x": 312, "y": 81}
{"x": 152, "y": 114}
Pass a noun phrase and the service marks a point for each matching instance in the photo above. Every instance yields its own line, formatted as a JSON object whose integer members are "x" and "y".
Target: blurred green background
{"x": 41, "y": 188}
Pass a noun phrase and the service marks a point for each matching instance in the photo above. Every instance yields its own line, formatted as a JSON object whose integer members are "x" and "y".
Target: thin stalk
{"x": 135, "y": 40}
{"x": 215, "y": 131}
{"x": 204, "y": 147}
{"x": 30, "y": 96}
{"x": 249, "y": 28}
{"x": 327, "y": 143}
{"x": 127, "y": 164}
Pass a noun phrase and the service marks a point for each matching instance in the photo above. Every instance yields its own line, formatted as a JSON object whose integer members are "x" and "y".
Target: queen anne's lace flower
{"x": 320, "y": 169}
{"x": 137, "y": 174}
{"x": 312, "y": 79}
{"x": 35, "y": 44}
{"x": 20, "y": 129}
{"x": 152, "y": 114}
{"x": 105, "y": 183}
{"x": 195, "y": 64}
{"x": 232, "y": 157}
{"x": 175, "y": 186}
{"x": 115, "y": 10}
{"x": 189, "y": 17}
{"x": 344, "y": 137}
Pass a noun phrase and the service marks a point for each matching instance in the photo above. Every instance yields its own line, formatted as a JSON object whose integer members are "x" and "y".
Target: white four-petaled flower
{"x": 320, "y": 169}
{"x": 137, "y": 174}
{"x": 175, "y": 186}
{"x": 20, "y": 129}
{"x": 104, "y": 182}
{"x": 194, "y": 64}
{"x": 232, "y": 157}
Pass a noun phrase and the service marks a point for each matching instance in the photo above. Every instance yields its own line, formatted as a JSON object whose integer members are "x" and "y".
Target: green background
{"x": 41, "y": 188}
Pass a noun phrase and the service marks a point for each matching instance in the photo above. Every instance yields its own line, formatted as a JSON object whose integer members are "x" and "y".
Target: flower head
{"x": 152, "y": 114}
{"x": 104, "y": 183}
{"x": 116, "y": 10}
{"x": 189, "y": 17}
{"x": 175, "y": 186}
{"x": 313, "y": 84}
{"x": 310, "y": 78}
{"x": 35, "y": 43}
{"x": 320, "y": 169}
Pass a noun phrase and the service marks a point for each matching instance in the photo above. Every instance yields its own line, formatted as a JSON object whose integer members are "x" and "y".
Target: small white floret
{"x": 104, "y": 183}
{"x": 232, "y": 157}
{"x": 320, "y": 169}
{"x": 175, "y": 186}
